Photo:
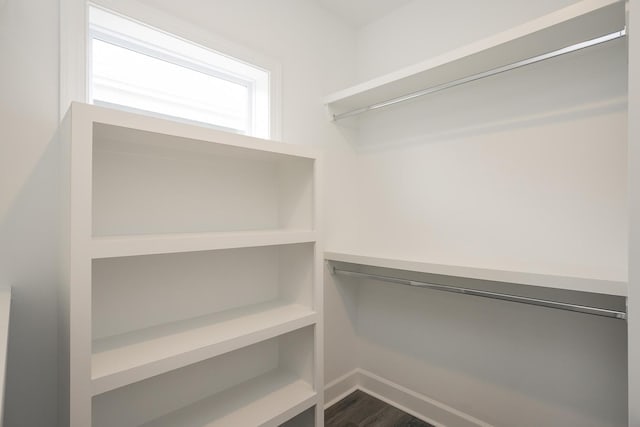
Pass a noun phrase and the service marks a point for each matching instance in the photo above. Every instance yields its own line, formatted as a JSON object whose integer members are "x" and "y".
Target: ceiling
{"x": 359, "y": 13}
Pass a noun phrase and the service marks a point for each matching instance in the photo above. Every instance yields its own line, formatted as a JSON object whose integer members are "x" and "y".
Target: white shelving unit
{"x": 582, "y": 21}
{"x": 192, "y": 292}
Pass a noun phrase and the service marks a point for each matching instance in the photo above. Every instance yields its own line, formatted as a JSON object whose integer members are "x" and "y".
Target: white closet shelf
{"x": 124, "y": 359}
{"x": 265, "y": 401}
{"x": 608, "y": 287}
{"x": 131, "y": 127}
{"x": 585, "y": 20}
{"x": 154, "y": 244}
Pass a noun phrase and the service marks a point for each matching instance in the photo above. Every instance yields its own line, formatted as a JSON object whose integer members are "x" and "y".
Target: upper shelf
{"x": 608, "y": 287}
{"x": 585, "y": 20}
{"x": 155, "y": 244}
{"x": 117, "y": 126}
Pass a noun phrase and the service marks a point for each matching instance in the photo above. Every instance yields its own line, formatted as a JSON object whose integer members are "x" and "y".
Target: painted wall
{"x": 523, "y": 171}
{"x": 28, "y": 205}
{"x": 421, "y": 30}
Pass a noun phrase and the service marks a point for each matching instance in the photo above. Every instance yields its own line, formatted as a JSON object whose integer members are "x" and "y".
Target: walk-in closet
{"x": 306, "y": 213}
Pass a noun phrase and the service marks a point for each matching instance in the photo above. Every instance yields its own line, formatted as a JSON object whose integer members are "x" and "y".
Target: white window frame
{"x": 74, "y": 37}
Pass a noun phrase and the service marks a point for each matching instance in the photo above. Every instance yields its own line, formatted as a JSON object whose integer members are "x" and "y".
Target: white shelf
{"x": 579, "y": 22}
{"x": 118, "y": 125}
{"x": 124, "y": 359}
{"x": 268, "y": 400}
{"x": 120, "y": 246}
{"x": 608, "y": 287}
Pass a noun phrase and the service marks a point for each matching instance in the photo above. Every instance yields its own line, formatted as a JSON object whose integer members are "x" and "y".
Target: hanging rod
{"x": 597, "y": 311}
{"x": 482, "y": 75}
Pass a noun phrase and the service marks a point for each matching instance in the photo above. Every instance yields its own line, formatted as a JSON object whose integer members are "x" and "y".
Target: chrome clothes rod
{"x": 487, "y": 294}
{"x": 482, "y": 75}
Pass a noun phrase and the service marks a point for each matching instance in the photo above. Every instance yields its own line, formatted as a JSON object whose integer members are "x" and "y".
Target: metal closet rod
{"x": 573, "y": 48}
{"x": 597, "y": 311}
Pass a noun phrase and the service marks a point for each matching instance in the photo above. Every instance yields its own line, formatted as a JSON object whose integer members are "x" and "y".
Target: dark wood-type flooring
{"x": 361, "y": 410}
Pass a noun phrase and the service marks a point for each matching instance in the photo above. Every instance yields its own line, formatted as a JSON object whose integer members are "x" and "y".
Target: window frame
{"x": 75, "y": 36}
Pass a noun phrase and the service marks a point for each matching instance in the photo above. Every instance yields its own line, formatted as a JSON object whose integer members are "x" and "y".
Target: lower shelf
{"x": 128, "y": 358}
{"x": 268, "y": 400}
{"x": 263, "y": 384}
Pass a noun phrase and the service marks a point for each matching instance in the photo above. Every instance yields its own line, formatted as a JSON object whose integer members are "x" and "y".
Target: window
{"x": 136, "y": 67}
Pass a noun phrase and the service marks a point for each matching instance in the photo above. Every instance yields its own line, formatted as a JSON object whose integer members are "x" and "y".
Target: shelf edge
{"x": 133, "y": 245}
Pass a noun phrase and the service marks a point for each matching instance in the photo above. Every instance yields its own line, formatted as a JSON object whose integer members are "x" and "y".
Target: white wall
{"x": 422, "y": 29}
{"x": 28, "y": 119}
{"x": 523, "y": 171}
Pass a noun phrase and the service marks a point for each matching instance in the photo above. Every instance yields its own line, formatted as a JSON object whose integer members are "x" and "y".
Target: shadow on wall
{"x": 29, "y": 239}
{"x": 581, "y": 84}
{"x": 528, "y": 362}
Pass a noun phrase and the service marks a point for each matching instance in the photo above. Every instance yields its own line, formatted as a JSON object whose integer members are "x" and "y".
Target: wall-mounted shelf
{"x": 583, "y": 21}
{"x": 607, "y": 287}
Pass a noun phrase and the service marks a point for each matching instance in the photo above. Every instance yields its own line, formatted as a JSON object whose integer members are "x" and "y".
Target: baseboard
{"x": 416, "y": 404}
{"x": 337, "y": 389}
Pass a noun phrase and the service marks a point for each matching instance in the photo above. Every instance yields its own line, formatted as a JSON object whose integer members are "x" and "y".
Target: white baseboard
{"x": 416, "y": 404}
{"x": 343, "y": 386}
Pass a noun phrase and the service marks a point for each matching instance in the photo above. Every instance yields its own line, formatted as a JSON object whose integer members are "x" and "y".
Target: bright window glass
{"x": 136, "y": 67}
